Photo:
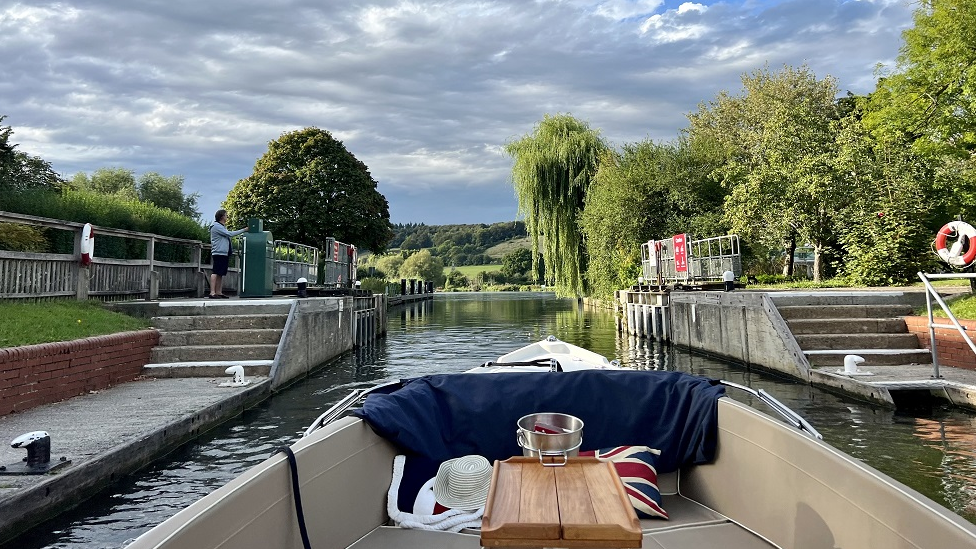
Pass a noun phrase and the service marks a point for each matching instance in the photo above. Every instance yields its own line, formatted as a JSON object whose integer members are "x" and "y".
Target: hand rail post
{"x": 928, "y": 305}
{"x": 952, "y": 317}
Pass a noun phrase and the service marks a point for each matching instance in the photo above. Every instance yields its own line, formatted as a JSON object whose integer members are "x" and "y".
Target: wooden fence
{"x": 28, "y": 275}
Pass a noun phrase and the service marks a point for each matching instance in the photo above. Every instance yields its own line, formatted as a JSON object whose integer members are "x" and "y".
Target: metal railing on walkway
{"x": 293, "y": 261}
{"x": 930, "y": 293}
{"x": 37, "y": 275}
{"x": 679, "y": 260}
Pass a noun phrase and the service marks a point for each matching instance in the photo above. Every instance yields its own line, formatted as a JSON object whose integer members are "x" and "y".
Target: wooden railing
{"x": 28, "y": 275}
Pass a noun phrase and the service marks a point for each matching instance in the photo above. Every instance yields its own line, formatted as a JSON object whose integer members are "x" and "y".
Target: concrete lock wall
{"x": 741, "y": 326}
{"x": 317, "y": 330}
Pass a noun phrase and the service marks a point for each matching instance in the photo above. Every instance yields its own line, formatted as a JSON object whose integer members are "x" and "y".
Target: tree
{"x": 929, "y": 101}
{"x": 647, "y": 191}
{"x": 390, "y": 264}
{"x": 20, "y": 171}
{"x": 778, "y": 139}
{"x": 423, "y": 266}
{"x": 417, "y": 241}
{"x": 308, "y": 187}
{"x": 554, "y": 166}
{"x": 516, "y": 263}
{"x": 118, "y": 181}
{"x": 456, "y": 279}
{"x": 884, "y": 226}
{"x": 167, "y": 192}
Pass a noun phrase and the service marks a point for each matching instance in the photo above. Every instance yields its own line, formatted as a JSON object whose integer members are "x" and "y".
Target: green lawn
{"x": 49, "y": 321}
{"x": 473, "y": 270}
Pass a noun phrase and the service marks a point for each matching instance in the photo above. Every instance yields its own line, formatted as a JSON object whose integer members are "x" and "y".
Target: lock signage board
{"x": 680, "y": 253}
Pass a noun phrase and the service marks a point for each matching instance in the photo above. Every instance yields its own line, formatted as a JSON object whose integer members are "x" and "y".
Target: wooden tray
{"x": 582, "y": 504}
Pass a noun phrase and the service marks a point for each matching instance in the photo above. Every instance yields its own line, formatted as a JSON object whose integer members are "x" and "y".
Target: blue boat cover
{"x": 451, "y": 415}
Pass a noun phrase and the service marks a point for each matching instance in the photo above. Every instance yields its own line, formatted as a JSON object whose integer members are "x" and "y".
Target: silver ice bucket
{"x": 549, "y": 434}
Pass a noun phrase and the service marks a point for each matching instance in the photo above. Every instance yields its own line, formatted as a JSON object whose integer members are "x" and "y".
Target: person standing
{"x": 220, "y": 248}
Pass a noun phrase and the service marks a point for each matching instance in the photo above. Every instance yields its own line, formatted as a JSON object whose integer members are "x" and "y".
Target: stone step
{"x": 872, "y": 357}
{"x": 796, "y": 312}
{"x": 848, "y": 326}
{"x": 225, "y": 307}
{"x": 222, "y": 322}
{"x": 203, "y": 353}
{"x": 811, "y": 342}
{"x": 203, "y": 307}
{"x": 220, "y": 338}
{"x": 824, "y": 298}
{"x": 216, "y": 368}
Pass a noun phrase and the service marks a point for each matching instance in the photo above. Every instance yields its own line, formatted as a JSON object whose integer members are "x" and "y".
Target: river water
{"x": 932, "y": 450}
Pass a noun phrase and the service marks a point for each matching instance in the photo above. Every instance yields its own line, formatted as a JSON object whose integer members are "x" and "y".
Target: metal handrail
{"x": 929, "y": 294}
{"x": 339, "y": 408}
{"x": 791, "y": 417}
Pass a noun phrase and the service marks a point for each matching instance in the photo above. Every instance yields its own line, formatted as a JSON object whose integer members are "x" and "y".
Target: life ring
{"x": 87, "y": 245}
{"x": 963, "y": 251}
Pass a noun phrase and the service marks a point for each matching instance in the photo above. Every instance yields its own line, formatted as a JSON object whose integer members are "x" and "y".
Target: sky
{"x": 425, "y": 93}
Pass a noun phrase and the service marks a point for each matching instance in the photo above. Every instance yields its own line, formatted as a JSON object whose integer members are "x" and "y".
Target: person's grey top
{"x": 220, "y": 239}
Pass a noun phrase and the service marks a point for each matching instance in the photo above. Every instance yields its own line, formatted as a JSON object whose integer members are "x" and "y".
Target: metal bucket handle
{"x": 546, "y": 453}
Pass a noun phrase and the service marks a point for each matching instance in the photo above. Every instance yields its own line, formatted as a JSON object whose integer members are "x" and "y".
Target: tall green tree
{"x": 115, "y": 180}
{"x": 308, "y": 187}
{"x": 778, "y": 138}
{"x": 929, "y": 101}
{"x": 647, "y": 191}
{"x": 167, "y": 192}
{"x": 553, "y": 168}
{"x": 20, "y": 171}
{"x": 883, "y": 227}
{"x": 423, "y": 266}
{"x": 516, "y": 263}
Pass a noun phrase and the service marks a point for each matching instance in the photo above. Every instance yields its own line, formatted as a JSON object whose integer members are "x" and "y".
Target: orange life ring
{"x": 963, "y": 251}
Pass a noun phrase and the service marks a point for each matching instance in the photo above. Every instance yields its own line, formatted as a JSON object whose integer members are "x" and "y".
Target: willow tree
{"x": 553, "y": 169}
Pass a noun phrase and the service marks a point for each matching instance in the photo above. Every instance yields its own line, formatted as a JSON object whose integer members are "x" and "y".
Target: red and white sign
{"x": 680, "y": 253}
{"x": 335, "y": 252}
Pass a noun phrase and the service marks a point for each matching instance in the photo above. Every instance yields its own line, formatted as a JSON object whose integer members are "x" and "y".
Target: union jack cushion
{"x": 637, "y": 468}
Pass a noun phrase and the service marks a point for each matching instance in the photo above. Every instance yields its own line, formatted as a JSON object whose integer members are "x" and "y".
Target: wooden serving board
{"x": 582, "y": 504}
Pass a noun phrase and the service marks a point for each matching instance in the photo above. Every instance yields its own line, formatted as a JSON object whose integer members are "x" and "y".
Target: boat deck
{"x": 690, "y": 526}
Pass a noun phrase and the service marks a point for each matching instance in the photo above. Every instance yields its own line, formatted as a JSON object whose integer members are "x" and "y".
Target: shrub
{"x": 374, "y": 285}
{"x": 107, "y": 211}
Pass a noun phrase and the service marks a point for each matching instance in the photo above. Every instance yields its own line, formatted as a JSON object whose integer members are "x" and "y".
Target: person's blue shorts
{"x": 220, "y": 264}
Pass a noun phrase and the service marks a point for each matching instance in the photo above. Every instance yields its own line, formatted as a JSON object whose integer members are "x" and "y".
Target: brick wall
{"x": 39, "y": 374}
{"x": 952, "y": 348}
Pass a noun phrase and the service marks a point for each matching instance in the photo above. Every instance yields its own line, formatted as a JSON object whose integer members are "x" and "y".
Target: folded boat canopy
{"x": 451, "y": 415}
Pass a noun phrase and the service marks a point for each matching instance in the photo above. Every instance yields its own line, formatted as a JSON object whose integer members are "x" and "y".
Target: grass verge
{"x": 473, "y": 270}
{"x": 49, "y": 321}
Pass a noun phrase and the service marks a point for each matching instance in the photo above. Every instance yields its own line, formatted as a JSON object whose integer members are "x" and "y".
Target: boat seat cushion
{"x": 451, "y": 415}
{"x": 637, "y": 468}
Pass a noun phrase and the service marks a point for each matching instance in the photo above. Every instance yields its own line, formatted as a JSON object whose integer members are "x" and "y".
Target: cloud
{"x": 427, "y": 94}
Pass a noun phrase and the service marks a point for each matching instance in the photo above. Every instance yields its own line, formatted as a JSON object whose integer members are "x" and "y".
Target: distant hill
{"x": 502, "y": 249}
{"x": 459, "y": 245}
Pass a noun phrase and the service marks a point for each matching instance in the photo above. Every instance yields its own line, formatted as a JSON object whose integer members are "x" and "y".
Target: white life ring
{"x": 962, "y": 252}
{"x": 87, "y": 244}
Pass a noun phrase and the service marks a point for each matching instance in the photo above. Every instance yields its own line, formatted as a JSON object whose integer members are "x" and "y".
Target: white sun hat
{"x": 462, "y": 483}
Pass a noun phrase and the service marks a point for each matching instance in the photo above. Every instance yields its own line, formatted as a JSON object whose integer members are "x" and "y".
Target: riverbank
{"x": 108, "y": 434}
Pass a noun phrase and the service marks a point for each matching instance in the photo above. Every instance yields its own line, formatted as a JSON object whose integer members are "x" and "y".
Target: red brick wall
{"x": 952, "y": 348}
{"x": 38, "y": 374}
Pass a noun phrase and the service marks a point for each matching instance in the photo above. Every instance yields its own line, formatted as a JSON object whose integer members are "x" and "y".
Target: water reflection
{"x": 933, "y": 451}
